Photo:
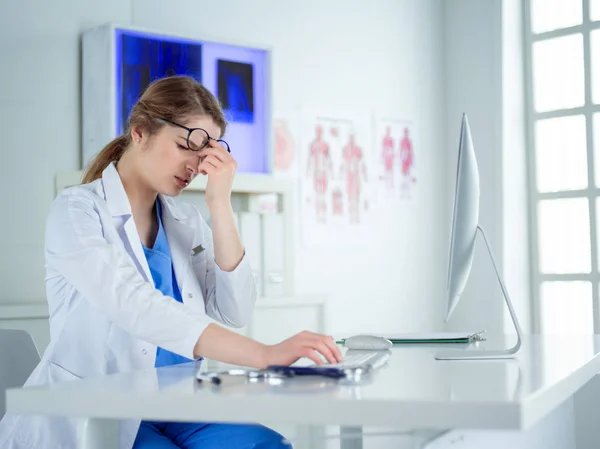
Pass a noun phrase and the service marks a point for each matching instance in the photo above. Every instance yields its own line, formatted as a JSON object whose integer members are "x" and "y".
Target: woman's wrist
{"x": 263, "y": 356}
{"x": 219, "y": 206}
{"x": 224, "y": 345}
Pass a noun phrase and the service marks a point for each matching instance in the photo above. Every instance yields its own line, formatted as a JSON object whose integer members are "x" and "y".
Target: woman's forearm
{"x": 221, "y": 344}
{"x": 228, "y": 246}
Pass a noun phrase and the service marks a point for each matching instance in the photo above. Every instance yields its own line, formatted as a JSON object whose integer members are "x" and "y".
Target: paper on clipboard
{"x": 433, "y": 337}
{"x": 436, "y": 337}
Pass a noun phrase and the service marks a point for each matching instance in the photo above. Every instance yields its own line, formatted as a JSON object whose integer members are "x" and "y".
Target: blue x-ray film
{"x": 143, "y": 59}
{"x": 236, "y": 90}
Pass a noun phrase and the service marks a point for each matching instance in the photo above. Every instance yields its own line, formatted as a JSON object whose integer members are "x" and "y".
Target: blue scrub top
{"x": 163, "y": 275}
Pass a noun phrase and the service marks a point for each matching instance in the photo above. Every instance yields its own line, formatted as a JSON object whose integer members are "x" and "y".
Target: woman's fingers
{"x": 330, "y": 342}
{"x": 325, "y": 350}
{"x": 229, "y": 165}
{"x": 317, "y": 347}
{"x": 218, "y": 151}
{"x": 323, "y": 344}
{"x": 212, "y": 160}
{"x": 311, "y": 354}
{"x": 207, "y": 169}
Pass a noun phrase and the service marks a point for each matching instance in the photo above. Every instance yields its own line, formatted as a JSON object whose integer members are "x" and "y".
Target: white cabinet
{"x": 275, "y": 320}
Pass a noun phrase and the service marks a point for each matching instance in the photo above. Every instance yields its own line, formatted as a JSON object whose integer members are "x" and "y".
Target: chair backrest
{"x": 18, "y": 359}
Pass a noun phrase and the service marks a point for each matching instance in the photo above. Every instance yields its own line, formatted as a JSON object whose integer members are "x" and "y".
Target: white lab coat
{"x": 105, "y": 314}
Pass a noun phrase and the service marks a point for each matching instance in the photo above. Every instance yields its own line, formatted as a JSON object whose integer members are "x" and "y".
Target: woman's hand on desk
{"x": 221, "y": 344}
{"x": 305, "y": 344}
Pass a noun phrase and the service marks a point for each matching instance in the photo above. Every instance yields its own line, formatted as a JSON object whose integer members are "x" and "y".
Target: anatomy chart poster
{"x": 396, "y": 156}
{"x": 285, "y": 143}
{"x": 335, "y": 178}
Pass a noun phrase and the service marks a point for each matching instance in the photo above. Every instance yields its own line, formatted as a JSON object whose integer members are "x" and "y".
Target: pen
{"x": 209, "y": 377}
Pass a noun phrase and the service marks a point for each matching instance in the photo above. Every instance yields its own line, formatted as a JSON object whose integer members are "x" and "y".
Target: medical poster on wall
{"x": 396, "y": 165}
{"x": 286, "y": 143}
{"x": 335, "y": 178}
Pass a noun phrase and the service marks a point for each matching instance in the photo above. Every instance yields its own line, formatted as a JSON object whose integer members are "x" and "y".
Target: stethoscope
{"x": 277, "y": 374}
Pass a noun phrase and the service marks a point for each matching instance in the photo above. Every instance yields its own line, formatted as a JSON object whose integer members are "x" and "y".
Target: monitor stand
{"x": 478, "y": 354}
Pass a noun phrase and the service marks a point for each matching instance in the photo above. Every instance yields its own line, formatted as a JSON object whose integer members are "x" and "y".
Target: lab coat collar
{"x": 120, "y": 209}
{"x": 114, "y": 192}
{"x": 170, "y": 210}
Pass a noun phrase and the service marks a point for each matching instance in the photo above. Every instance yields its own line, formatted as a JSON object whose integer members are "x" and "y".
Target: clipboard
{"x": 431, "y": 337}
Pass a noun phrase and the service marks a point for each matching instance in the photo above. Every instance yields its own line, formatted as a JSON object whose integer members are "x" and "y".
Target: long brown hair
{"x": 175, "y": 98}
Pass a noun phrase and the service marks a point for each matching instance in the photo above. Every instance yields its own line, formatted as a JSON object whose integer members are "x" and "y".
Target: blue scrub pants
{"x": 166, "y": 435}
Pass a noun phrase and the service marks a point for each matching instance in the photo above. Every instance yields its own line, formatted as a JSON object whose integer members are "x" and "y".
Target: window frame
{"x": 592, "y": 193}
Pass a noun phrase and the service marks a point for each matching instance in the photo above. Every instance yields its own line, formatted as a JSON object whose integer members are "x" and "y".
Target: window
{"x": 562, "y": 48}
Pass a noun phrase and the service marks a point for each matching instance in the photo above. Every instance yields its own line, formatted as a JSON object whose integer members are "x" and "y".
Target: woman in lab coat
{"x": 135, "y": 280}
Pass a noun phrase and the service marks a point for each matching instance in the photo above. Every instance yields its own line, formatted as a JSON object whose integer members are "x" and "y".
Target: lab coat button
{"x": 190, "y": 295}
{"x": 144, "y": 352}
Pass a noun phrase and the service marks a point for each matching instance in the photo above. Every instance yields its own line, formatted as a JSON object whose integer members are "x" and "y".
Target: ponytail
{"x": 110, "y": 153}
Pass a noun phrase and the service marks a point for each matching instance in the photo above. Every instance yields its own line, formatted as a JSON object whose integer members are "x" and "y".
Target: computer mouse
{"x": 367, "y": 342}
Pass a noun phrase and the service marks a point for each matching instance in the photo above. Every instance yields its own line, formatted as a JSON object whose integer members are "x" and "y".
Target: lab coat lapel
{"x": 181, "y": 239}
{"x": 135, "y": 244}
{"x": 120, "y": 209}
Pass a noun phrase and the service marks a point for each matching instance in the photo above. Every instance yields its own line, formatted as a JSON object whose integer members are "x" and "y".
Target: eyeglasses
{"x": 200, "y": 138}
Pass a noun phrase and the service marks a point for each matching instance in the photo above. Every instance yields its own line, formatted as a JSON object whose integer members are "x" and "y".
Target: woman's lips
{"x": 181, "y": 182}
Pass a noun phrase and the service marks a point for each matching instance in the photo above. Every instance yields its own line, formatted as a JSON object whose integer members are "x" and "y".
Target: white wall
{"x": 473, "y": 86}
{"x": 39, "y": 129}
{"x": 334, "y": 54}
{"x": 515, "y": 197}
{"x": 484, "y": 78}
{"x": 385, "y": 58}
{"x": 39, "y": 125}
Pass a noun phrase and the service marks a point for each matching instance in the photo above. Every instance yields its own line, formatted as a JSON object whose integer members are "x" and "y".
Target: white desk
{"x": 413, "y": 391}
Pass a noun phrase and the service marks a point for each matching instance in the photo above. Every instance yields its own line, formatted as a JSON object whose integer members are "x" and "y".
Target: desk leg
{"x": 351, "y": 438}
{"x": 97, "y": 433}
{"x": 310, "y": 437}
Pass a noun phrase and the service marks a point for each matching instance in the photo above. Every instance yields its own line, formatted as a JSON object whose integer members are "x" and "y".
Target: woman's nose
{"x": 192, "y": 170}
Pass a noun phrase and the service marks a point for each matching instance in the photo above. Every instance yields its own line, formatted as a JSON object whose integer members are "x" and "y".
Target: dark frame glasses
{"x": 191, "y": 130}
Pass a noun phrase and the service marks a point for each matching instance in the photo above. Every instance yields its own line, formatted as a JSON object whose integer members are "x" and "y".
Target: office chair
{"x": 18, "y": 358}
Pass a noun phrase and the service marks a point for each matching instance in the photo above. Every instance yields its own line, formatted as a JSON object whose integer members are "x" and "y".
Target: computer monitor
{"x": 465, "y": 225}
